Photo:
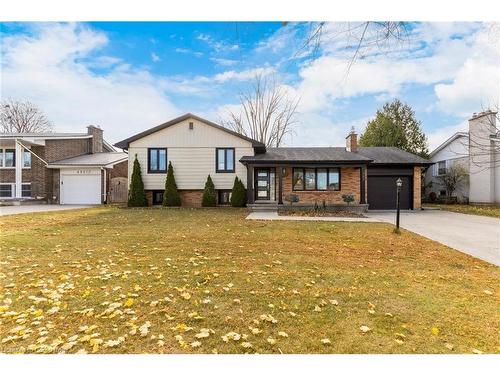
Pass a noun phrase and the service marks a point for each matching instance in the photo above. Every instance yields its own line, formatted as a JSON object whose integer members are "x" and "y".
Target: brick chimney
{"x": 352, "y": 141}
{"x": 96, "y": 141}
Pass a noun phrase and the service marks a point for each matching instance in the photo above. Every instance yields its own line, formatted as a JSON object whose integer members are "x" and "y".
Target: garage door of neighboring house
{"x": 382, "y": 188}
{"x": 81, "y": 187}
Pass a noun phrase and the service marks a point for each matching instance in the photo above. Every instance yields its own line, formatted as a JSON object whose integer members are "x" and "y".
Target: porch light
{"x": 399, "y": 183}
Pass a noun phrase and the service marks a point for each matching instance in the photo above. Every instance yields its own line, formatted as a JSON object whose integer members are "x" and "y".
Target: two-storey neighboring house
{"x": 66, "y": 168}
{"x": 316, "y": 175}
{"x": 454, "y": 150}
{"x": 478, "y": 150}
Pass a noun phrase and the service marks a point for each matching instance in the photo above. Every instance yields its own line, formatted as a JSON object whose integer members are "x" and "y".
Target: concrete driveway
{"x": 14, "y": 210}
{"x": 478, "y": 236}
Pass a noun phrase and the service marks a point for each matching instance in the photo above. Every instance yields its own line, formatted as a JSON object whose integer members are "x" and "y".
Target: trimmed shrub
{"x": 432, "y": 196}
{"x": 239, "y": 194}
{"x": 136, "y": 194}
{"x": 209, "y": 199}
{"x": 171, "y": 197}
{"x": 348, "y": 198}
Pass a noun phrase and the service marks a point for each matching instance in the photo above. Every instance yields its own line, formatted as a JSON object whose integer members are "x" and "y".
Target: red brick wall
{"x": 417, "y": 188}
{"x": 191, "y": 198}
{"x": 349, "y": 184}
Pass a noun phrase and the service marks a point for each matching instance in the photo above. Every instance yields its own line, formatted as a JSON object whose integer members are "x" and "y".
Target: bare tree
{"x": 22, "y": 117}
{"x": 454, "y": 176}
{"x": 268, "y": 112}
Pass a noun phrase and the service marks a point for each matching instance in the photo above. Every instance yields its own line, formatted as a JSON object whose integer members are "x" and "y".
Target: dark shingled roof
{"x": 371, "y": 155}
{"x": 307, "y": 154}
{"x": 391, "y": 155}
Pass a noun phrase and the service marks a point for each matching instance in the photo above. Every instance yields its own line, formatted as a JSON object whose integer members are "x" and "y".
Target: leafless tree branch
{"x": 268, "y": 113}
{"x": 22, "y": 117}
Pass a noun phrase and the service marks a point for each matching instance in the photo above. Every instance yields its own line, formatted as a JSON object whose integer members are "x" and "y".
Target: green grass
{"x": 71, "y": 279}
{"x": 472, "y": 209}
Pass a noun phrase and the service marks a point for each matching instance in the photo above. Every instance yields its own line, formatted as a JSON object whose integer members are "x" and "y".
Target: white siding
{"x": 192, "y": 153}
{"x": 455, "y": 151}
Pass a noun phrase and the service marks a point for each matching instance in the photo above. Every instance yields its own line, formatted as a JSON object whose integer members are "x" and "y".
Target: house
{"x": 478, "y": 150}
{"x": 66, "y": 168}
{"x": 198, "y": 148}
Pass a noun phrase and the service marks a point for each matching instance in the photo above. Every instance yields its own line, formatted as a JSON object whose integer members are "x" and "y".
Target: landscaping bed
{"x": 319, "y": 213}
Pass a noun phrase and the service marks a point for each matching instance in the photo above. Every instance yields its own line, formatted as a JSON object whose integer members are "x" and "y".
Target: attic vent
{"x": 191, "y": 126}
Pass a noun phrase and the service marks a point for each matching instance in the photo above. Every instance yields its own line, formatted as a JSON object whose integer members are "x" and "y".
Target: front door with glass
{"x": 262, "y": 184}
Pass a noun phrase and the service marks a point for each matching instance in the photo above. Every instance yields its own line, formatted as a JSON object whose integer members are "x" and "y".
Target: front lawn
{"x": 111, "y": 280}
{"x": 472, "y": 209}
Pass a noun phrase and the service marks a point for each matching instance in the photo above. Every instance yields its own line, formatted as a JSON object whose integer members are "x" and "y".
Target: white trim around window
{"x": 26, "y": 158}
{"x": 8, "y": 190}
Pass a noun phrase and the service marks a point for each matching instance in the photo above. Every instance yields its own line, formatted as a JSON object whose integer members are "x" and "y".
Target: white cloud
{"x": 188, "y": 52}
{"x": 155, "y": 57}
{"x": 223, "y": 62}
{"x": 47, "y": 69}
{"x": 439, "y": 135}
{"x": 477, "y": 83}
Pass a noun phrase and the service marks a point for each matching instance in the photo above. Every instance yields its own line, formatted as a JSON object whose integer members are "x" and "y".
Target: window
{"x": 224, "y": 160}
{"x": 442, "y": 192}
{"x": 322, "y": 179}
{"x": 157, "y": 197}
{"x": 157, "y": 160}
{"x": 9, "y": 158}
{"x": 298, "y": 179}
{"x": 334, "y": 179}
{"x": 224, "y": 196}
{"x": 316, "y": 179}
{"x": 26, "y": 159}
{"x": 26, "y": 190}
{"x": 441, "y": 168}
{"x": 6, "y": 190}
{"x": 310, "y": 179}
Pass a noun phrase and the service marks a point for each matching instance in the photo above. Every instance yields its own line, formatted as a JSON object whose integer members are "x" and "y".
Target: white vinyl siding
{"x": 193, "y": 155}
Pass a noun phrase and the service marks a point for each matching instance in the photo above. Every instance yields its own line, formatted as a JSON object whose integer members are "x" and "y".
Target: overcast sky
{"x": 127, "y": 77}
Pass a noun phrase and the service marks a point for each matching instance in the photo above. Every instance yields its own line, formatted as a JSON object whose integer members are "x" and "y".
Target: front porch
{"x": 305, "y": 186}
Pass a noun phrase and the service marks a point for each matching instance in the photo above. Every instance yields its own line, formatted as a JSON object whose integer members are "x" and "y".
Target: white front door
{"x": 80, "y": 189}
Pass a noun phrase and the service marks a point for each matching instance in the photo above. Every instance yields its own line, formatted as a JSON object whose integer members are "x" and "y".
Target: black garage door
{"x": 382, "y": 192}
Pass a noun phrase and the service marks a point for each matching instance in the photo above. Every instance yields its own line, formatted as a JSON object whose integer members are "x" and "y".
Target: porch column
{"x": 250, "y": 199}
{"x": 18, "y": 157}
{"x": 362, "y": 171}
{"x": 280, "y": 184}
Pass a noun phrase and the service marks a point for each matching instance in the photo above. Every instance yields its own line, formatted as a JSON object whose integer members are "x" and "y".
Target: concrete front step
{"x": 263, "y": 207}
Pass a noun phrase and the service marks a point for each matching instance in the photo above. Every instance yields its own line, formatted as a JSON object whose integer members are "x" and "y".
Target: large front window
{"x": 157, "y": 160}
{"x": 316, "y": 179}
{"x": 224, "y": 160}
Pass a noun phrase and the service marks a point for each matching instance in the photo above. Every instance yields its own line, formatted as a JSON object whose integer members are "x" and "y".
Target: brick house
{"x": 197, "y": 147}
{"x": 66, "y": 168}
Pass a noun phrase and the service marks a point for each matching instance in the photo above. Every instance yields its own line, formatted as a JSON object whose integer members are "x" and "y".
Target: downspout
{"x": 105, "y": 186}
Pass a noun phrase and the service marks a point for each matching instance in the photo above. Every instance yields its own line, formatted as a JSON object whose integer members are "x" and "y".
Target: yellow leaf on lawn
{"x": 435, "y": 331}
{"x": 129, "y": 302}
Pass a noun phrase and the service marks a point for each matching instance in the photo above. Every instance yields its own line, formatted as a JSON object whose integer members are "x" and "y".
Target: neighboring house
{"x": 478, "y": 151}
{"x": 454, "y": 150}
{"x": 197, "y": 147}
{"x": 64, "y": 168}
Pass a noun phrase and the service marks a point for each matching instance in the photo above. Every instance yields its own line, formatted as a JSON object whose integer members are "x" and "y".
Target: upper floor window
{"x": 441, "y": 167}
{"x": 26, "y": 159}
{"x": 7, "y": 158}
{"x": 157, "y": 160}
{"x": 224, "y": 160}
